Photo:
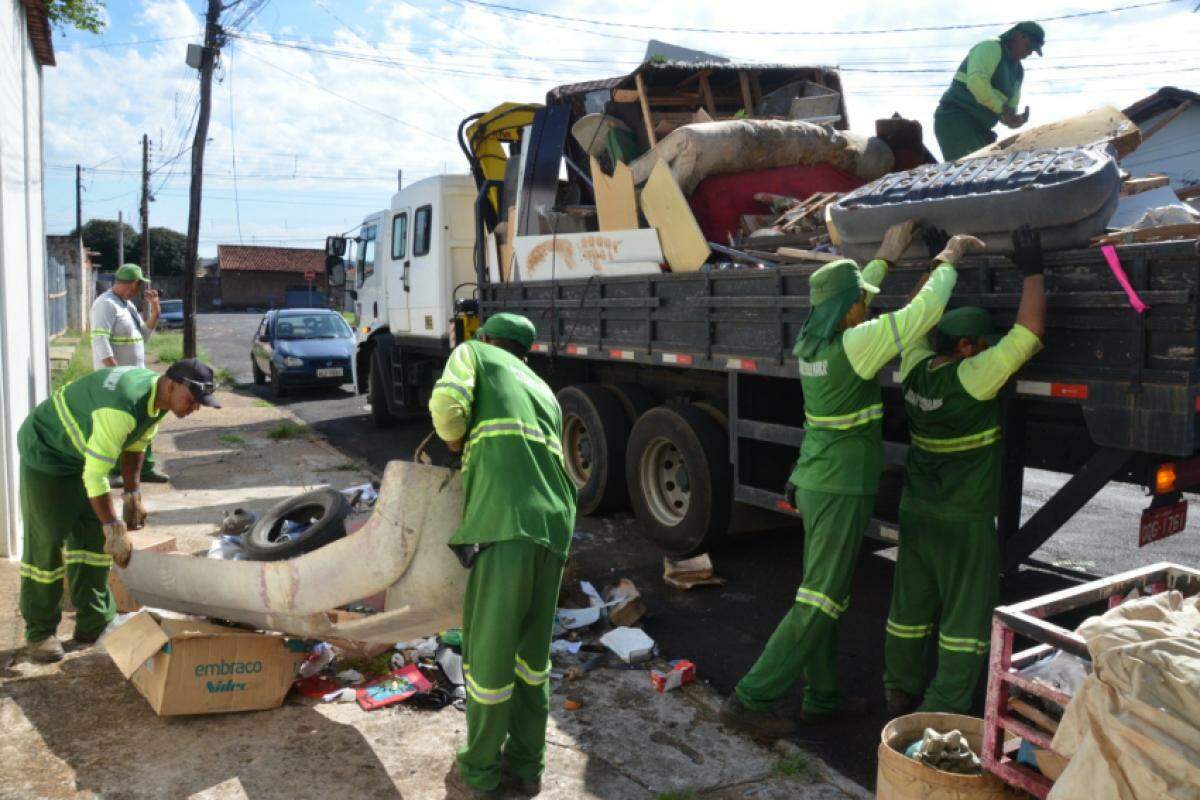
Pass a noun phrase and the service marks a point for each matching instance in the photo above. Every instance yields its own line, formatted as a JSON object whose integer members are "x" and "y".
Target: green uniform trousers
{"x": 62, "y": 537}
{"x": 508, "y": 622}
{"x": 954, "y": 568}
{"x": 804, "y": 644}
{"x": 958, "y": 133}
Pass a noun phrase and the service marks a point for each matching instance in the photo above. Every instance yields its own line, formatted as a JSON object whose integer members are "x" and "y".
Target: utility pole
{"x": 79, "y": 206}
{"x": 120, "y": 238}
{"x": 145, "y": 207}
{"x": 213, "y": 39}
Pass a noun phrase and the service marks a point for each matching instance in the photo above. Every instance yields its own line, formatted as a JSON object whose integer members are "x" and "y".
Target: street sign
{"x": 1159, "y": 523}
{"x": 310, "y": 276}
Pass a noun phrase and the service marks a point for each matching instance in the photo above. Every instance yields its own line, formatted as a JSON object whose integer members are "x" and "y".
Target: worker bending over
{"x": 517, "y": 522}
{"x": 986, "y": 90}
{"x": 834, "y": 482}
{"x": 948, "y": 569}
{"x": 67, "y": 446}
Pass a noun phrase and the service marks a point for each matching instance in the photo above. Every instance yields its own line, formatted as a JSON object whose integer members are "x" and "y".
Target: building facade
{"x": 1170, "y": 123}
{"x": 253, "y": 277}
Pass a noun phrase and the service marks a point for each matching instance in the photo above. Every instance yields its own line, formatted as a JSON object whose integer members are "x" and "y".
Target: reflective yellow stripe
{"x": 68, "y": 421}
{"x": 125, "y": 339}
{"x": 87, "y": 557}
{"x": 908, "y": 631}
{"x": 958, "y": 445}
{"x": 958, "y": 644}
{"x": 484, "y": 695}
{"x": 510, "y": 427}
{"x": 823, "y": 603}
{"x": 846, "y": 421}
{"x": 42, "y": 575}
{"x": 533, "y": 677}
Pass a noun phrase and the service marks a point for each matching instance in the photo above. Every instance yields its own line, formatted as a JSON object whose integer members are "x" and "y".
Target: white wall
{"x": 24, "y": 356}
{"x": 1174, "y": 150}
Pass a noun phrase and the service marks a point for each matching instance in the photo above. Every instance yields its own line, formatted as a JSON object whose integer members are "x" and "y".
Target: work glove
{"x": 117, "y": 542}
{"x": 896, "y": 241}
{"x": 1027, "y": 250}
{"x": 936, "y": 239}
{"x": 959, "y": 245}
{"x": 133, "y": 511}
{"x": 789, "y": 494}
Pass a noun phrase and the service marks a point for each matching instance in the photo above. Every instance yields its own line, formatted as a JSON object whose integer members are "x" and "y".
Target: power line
{"x": 129, "y": 43}
{"x": 501, "y": 8}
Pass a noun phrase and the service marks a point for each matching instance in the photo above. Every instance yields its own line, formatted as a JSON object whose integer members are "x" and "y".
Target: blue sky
{"x": 317, "y": 137}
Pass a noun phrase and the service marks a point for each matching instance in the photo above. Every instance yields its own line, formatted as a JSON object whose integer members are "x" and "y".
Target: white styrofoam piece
{"x": 581, "y": 255}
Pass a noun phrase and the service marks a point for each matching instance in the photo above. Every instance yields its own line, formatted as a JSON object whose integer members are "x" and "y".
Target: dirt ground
{"x": 79, "y": 730}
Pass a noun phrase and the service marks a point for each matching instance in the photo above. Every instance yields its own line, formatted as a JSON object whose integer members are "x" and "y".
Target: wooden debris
{"x": 807, "y": 213}
{"x": 668, "y": 212}
{"x": 1105, "y": 124}
{"x": 1188, "y": 193}
{"x": 1163, "y": 234}
{"x": 806, "y": 255}
{"x": 616, "y": 203}
{"x": 629, "y": 606}
{"x": 1166, "y": 120}
{"x": 645, "y": 103}
{"x": 697, "y": 571}
{"x": 1138, "y": 185}
{"x": 506, "y": 248}
{"x": 1035, "y": 715}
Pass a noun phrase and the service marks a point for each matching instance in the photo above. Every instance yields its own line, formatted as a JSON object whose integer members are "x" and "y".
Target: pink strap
{"x": 1114, "y": 263}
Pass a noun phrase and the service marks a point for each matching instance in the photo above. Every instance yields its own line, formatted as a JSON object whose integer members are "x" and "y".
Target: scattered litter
{"x": 631, "y": 645}
{"x": 625, "y": 603}
{"x": 452, "y": 665}
{"x": 319, "y": 657}
{"x": 349, "y": 676}
{"x": 227, "y": 548}
{"x": 291, "y": 530}
{"x": 696, "y": 571}
{"x": 451, "y": 637}
{"x": 682, "y": 672}
{"x": 569, "y": 619}
{"x": 393, "y": 688}
{"x": 362, "y": 496}
{"x": 237, "y": 522}
{"x": 589, "y": 664}
{"x": 948, "y": 752}
{"x": 573, "y": 702}
{"x": 316, "y": 686}
{"x": 1062, "y": 671}
{"x": 343, "y": 695}
{"x": 561, "y": 647}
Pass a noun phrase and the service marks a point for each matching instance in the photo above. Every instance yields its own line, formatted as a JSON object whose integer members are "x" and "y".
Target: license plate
{"x": 1159, "y": 523}
{"x": 332, "y": 372}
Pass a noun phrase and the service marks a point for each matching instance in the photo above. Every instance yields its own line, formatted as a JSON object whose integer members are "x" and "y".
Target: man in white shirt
{"x": 119, "y": 335}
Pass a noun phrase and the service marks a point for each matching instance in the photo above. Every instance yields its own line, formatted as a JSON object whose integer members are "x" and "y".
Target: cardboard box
{"x": 188, "y": 666}
{"x": 142, "y": 540}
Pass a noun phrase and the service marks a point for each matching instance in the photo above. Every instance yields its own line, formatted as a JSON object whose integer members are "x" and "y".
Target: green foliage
{"x": 79, "y": 365}
{"x": 86, "y": 15}
{"x": 166, "y": 347}
{"x": 101, "y": 235}
{"x": 287, "y": 430}
{"x": 260, "y": 403}
{"x": 349, "y": 466}
{"x": 677, "y": 794}
{"x": 232, "y": 438}
{"x": 800, "y": 766}
{"x": 224, "y": 377}
{"x": 168, "y": 251}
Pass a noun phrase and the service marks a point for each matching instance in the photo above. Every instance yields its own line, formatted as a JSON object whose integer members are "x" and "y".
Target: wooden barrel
{"x": 902, "y": 778}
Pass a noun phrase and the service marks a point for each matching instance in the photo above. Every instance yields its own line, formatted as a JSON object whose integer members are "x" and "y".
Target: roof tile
{"x": 251, "y": 258}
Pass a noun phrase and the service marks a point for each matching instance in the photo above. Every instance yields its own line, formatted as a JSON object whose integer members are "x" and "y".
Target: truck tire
{"x": 680, "y": 480}
{"x": 595, "y": 431}
{"x": 325, "y": 512}
{"x": 634, "y": 398}
{"x": 381, "y": 415}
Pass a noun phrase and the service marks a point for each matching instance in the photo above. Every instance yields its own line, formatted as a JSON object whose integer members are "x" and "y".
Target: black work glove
{"x": 1027, "y": 250}
{"x": 935, "y": 239}
{"x": 789, "y": 494}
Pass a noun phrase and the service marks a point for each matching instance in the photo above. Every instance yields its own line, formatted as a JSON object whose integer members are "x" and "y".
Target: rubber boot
{"x": 759, "y": 724}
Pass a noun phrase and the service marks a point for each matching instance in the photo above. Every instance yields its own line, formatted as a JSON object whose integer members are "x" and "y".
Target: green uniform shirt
{"x": 953, "y": 468}
{"x": 513, "y": 475}
{"x": 842, "y": 451}
{"x": 987, "y": 82}
{"x": 85, "y": 426}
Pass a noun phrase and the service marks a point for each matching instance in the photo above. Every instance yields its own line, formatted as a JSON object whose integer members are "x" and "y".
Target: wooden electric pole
{"x": 145, "y": 210}
{"x": 79, "y": 206}
{"x": 213, "y": 39}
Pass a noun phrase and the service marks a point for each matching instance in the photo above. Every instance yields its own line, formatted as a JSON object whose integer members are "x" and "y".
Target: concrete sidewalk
{"x": 79, "y": 730}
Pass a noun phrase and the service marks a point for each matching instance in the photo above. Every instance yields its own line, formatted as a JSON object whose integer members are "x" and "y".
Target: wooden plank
{"x": 616, "y": 204}
{"x": 1033, "y": 714}
{"x": 667, "y": 211}
{"x": 695, "y": 76}
{"x": 582, "y": 255}
{"x": 755, "y": 89}
{"x": 641, "y": 94}
{"x": 747, "y": 99}
{"x": 625, "y": 96}
{"x": 1105, "y": 124}
{"x": 1190, "y": 231}
{"x": 1188, "y": 192}
{"x": 1167, "y": 120}
{"x": 506, "y": 248}
{"x": 706, "y": 91}
{"x": 1138, "y": 185}
{"x": 807, "y": 255}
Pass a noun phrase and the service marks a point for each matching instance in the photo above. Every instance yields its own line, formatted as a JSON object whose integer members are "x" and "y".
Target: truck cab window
{"x": 366, "y": 254}
{"x": 423, "y": 230}
{"x": 399, "y": 236}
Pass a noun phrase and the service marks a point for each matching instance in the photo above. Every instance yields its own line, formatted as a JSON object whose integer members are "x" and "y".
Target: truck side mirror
{"x": 335, "y": 246}
{"x": 335, "y": 270}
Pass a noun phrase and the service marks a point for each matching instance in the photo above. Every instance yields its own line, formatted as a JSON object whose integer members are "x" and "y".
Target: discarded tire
{"x": 680, "y": 480}
{"x": 324, "y": 511}
{"x": 595, "y": 430}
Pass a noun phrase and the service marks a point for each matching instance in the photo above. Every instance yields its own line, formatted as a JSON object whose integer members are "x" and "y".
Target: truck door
{"x": 400, "y": 266}
{"x": 426, "y": 281}
{"x": 372, "y": 299}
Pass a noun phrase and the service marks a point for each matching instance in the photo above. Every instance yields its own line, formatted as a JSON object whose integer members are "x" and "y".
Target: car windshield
{"x": 312, "y": 326}
{"x": 172, "y": 305}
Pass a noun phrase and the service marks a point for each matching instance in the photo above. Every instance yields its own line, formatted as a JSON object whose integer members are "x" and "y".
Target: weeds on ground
{"x": 166, "y": 347}
{"x": 349, "y": 466}
{"x": 232, "y": 438}
{"x": 677, "y": 794}
{"x": 224, "y": 377}
{"x": 287, "y": 430}
{"x": 260, "y": 403}
{"x": 79, "y": 365}
{"x": 800, "y": 766}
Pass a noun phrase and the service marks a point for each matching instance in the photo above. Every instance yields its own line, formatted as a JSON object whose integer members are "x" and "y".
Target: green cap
{"x": 510, "y": 326}
{"x": 835, "y": 278}
{"x": 1033, "y": 32}
{"x": 130, "y": 272}
{"x": 969, "y": 322}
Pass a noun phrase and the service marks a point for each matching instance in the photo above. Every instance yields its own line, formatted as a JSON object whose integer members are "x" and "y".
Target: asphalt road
{"x": 722, "y": 630}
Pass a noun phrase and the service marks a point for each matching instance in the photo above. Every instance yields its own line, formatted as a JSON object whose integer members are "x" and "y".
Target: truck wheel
{"x": 594, "y": 434}
{"x": 680, "y": 479}
{"x": 377, "y": 396}
{"x": 634, "y": 398}
{"x": 260, "y": 377}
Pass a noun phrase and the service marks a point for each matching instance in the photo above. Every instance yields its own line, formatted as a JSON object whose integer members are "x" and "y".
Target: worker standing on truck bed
{"x": 834, "y": 482}
{"x": 986, "y": 90}
{"x": 517, "y": 523}
{"x": 948, "y": 567}
{"x": 67, "y": 445}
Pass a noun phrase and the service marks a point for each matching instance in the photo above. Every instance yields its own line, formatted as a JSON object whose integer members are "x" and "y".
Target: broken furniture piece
{"x": 1101, "y": 126}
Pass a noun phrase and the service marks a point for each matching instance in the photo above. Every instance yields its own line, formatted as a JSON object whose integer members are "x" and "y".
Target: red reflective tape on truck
{"x": 684, "y": 360}
{"x": 538, "y": 347}
{"x": 1070, "y": 391}
{"x": 576, "y": 350}
{"x": 744, "y": 364}
{"x": 1198, "y": 403}
{"x": 623, "y": 355}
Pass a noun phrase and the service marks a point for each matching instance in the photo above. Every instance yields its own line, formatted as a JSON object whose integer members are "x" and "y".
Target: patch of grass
{"x": 224, "y": 377}
{"x": 79, "y": 365}
{"x": 800, "y": 766}
{"x": 677, "y": 794}
{"x": 232, "y": 438}
{"x": 260, "y": 403}
{"x": 287, "y": 430}
{"x": 349, "y": 466}
{"x": 166, "y": 347}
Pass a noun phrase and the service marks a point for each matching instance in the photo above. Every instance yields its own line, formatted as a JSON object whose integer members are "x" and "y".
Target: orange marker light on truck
{"x": 1164, "y": 478}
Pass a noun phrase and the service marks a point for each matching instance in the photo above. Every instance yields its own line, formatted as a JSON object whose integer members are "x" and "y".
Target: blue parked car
{"x": 171, "y": 315}
{"x": 302, "y": 347}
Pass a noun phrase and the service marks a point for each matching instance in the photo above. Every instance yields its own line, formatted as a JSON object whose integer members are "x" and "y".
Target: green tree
{"x": 168, "y": 251}
{"x": 87, "y": 15}
{"x": 100, "y": 235}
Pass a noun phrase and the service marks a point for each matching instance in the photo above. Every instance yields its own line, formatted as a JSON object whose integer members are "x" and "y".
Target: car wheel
{"x": 277, "y": 387}
{"x": 324, "y": 511}
{"x": 260, "y": 377}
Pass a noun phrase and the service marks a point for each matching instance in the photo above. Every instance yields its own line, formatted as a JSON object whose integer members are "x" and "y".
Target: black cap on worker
{"x": 196, "y": 376}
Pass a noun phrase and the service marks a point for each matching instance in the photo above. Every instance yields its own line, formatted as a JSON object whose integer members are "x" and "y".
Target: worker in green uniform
{"x": 517, "y": 523}
{"x": 948, "y": 568}
{"x": 834, "y": 482}
{"x": 67, "y": 446}
{"x": 986, "y": 90}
